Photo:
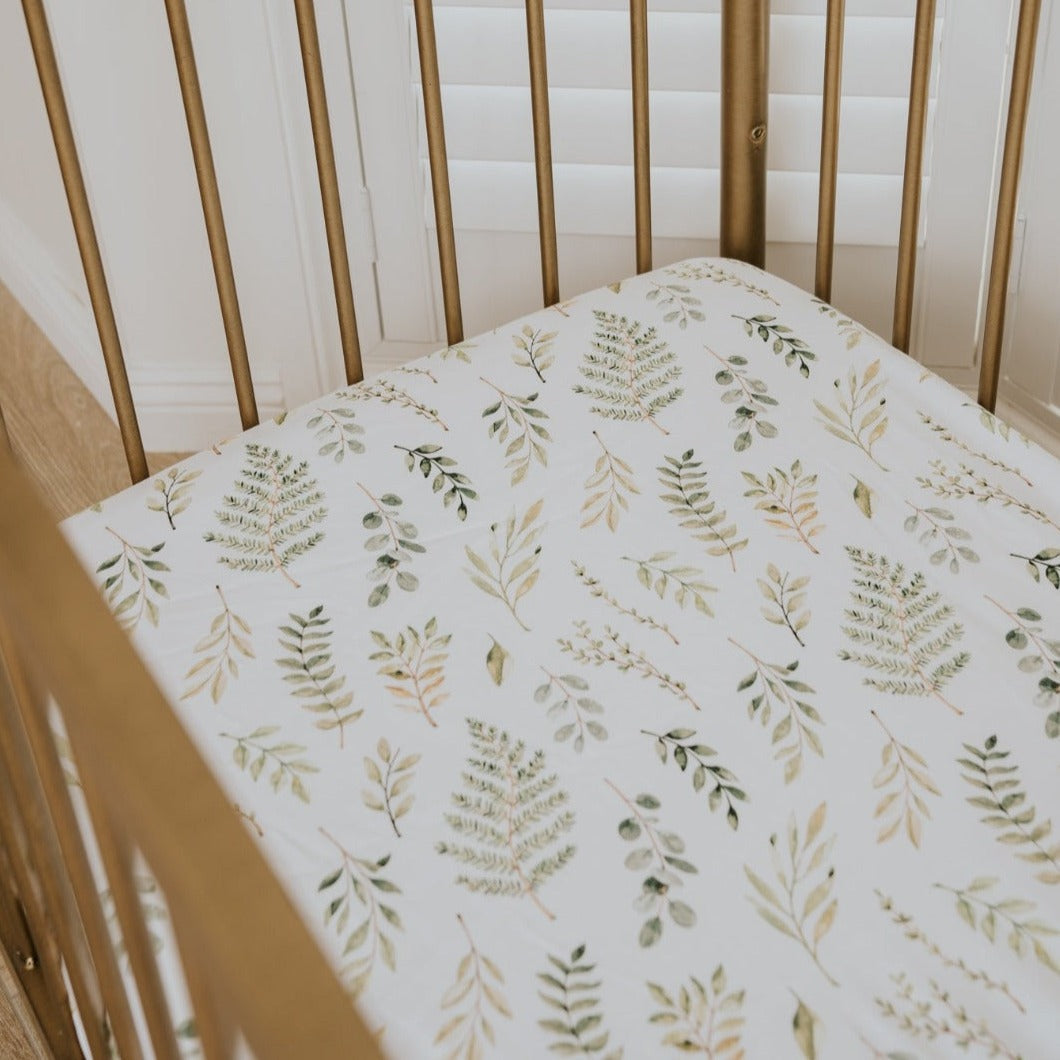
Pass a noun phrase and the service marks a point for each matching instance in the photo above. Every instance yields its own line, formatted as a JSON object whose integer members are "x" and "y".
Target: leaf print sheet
{"x": 673, "y": 671}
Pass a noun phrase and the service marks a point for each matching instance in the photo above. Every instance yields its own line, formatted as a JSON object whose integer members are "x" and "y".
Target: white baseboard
{"x": 180, "y": 410}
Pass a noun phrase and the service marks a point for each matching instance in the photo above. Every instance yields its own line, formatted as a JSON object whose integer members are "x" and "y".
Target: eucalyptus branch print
{"x": 901, "y": 629}
{"x": 285, "y": 762}
{"x": 607, "y": 488}
{"x": 570, "y": 992}
{"x": 416, "y": 369}
{"x": 476, "y": 990}
{"x": 750, "y": 396}
{"x": 939, "y": 1016}
{"x": 392, "y": 775}
{"x": 941, "y": 535}
{"x": 701, "y": 1019}
{"x": 861, "y": 420}
{"x": 511, "y": 817}
{"x": 460, "y": 351}
{"x": 534, "y": 348}
{"x": 662, "y": 861}
{"x": 131, "y": 587}
{"x": 598, "y": 592}
{"x": 357, "y": 888}
{"x": 630, "y": 373}
{"x": 391, "y": 394}
{"x": 172, "y": 493}
{"x": 1000, "y": 793}
{"x": 781, "y": 338}
{"x": 994, "y": 425}
{"x": 1011, "y": 916}
{"x": 677, "y": 301}
{"x": 687, "y": 494}
{"x": 851, "y": 331}
{"x": 948, "y": 435}
{"x": 723, "y": 782}
{"x": 1043, "y": 658}
{"x": 568, "y": 700}
{"x": 776, "y": 690}
{"x": 659, "y": 575}
{"x": 271, "y": 516}
{"x": 1044, "y": 564}
{"x": 785, "y": 601}
{"x": 808, "y": 918}
{"x": 227, "y": 640}
{"x": 336, "y": 430}
{"x": 432, "y": 461}
{"x": 708, "y": 270}
{"x": 789, "y": 499}
{"x": 415, "y": 663}
{"x": 966, "y": 482}
{"x": 914, "y": 933}
{"x": 311, "y": 674}
{"x": 395, "y": 541}
{"x": 512, "y": 569}
{"x": 590, "y": 650}
{"x": 520, "y": 419}
{"x": 903, "y": 781}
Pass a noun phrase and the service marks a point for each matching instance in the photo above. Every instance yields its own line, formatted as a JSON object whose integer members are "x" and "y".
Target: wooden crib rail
{"x": 250, "y": 963}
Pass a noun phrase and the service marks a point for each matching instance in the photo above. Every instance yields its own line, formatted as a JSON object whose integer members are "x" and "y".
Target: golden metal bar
{"x": 316, "y": 95}
{"x": 87, "y": 243}
{"x": 1008, "y": 192}
{"x": 744, "y": 119}
{"x": 439, "y": 163}
{"x": 638, "y": 46}
{"x": 924, "y": 33}
{"x": 831, "y": 100}
{"x": 199, "y": 135}
{"x": 546, "y": 197}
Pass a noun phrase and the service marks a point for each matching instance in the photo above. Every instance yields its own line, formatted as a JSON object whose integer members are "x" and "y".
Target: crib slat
{"x": 84, "y": 230}
{"x": 199, "y": 137}
{"x": 217, "y": 1036}
{"x": 638, "y": 40}
{"x": 439, "y": 162}
{"x": 1008, "y": 194}
{"x": 316, "y": 95}
{"x": 924, "y": 34}
{"x": 832, "y": 97}
{"x": 744, "y": 120}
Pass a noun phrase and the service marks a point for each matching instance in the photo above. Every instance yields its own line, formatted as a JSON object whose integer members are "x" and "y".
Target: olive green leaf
{"x": 283, "y": 761}
{"x": 607, "y": 486}
{"x": 721, "y": 784}
{"x": 707, "y": 270}
{"x": 941, "y": 535}
{"x": 227, "y": 640}
{"x": 457, "y": 352}
{"x": 512, "y": 569}
{"x": 1044, "y": 564}
{"x": 497, "y": 660}
{"x": 687, "y": 493}
{"x": 804, "y": 1026}
{"x": 520, "y": 420}
{"x": 904, "y": 782}
{"x": 851, "y": 330}
{"x": 311, "y": 674}
{"x": 569, "y": 701}
{"x": 270, "y": 517}
{"x": 785, "y": 600}
{"x": 388, "y": 393}
{"x": 172, "y": 493}
{"x": 940, "y": 430}
{"x": 701, "y": 1019}
{"x": 994, "y": 425}
{"x": 590, "y": 650}
{"x": 572, "y": 995}
{"x": 677, "y": 300}
{"x": 131, "y": 585}
{"x": 415, "y": 664}
{"x": 750, "y": 396}
{"x": 686, "y": 582}
{"x": 789, "y": 499}
{"x": 535, "y": 349}
{"x": 782, "y": 340}
{"x": 661, "y": 862}
{"x": 1016, "y": 821}
{"x": 804, "y": 909}
{"x": 392, "y": 775}
{"x": 337, "y": 431}
{"x": 356, "y": 889}
{"x": 598, "y": 592}
{"x": 394, "y": 539}
{"x": 861, "y": 420}
{"x": 511, "y": 818}
{"x": 475, "y": 991}
{"x": 863, "y": 497}
{"x": 631, "y": 374}
{"x": 454, "y": 486}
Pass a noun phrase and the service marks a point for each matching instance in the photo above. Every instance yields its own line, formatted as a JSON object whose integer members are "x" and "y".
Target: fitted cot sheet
{"x": 676, "y": 669}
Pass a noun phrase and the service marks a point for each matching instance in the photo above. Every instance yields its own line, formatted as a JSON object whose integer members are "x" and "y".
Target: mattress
{"x": 676, "y": 669}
